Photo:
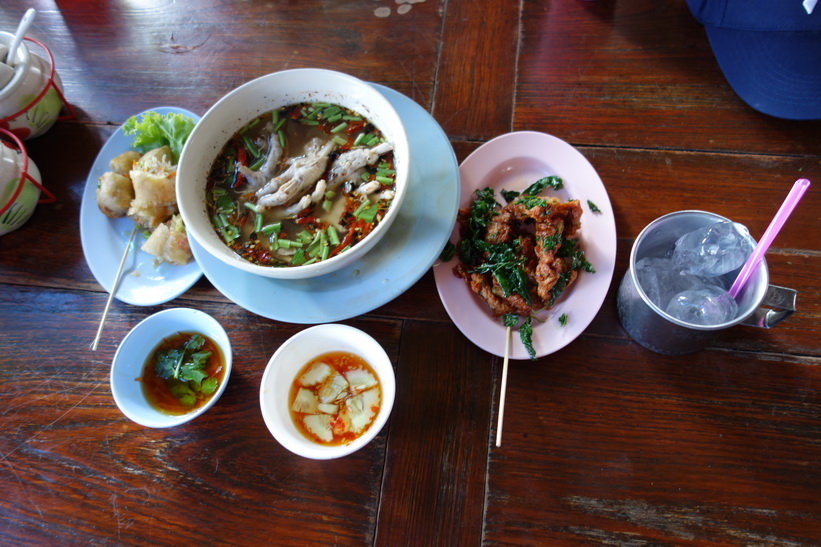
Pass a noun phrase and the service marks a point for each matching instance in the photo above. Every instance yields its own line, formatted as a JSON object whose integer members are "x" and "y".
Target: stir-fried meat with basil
{"x": 520, "y": 257}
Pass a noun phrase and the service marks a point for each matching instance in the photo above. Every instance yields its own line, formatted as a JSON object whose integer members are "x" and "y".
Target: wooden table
{"x": 604, "y": 441}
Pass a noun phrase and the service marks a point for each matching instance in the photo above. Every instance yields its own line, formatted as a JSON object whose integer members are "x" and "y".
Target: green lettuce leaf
{"x": 153, "y": 130}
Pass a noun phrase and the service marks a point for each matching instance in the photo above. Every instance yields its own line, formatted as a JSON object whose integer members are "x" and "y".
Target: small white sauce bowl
{"x": 135, "y": 350}
{"x": 294, "y": 354}
{"x": 262, "y": 95}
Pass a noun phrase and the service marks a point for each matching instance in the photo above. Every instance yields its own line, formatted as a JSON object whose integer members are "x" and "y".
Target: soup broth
{"x": 335, "y": 398}
{"x": 301, "y": 184}
{"x": 200, "y": 372}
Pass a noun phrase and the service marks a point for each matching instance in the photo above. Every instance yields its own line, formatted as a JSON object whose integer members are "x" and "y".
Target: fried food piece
{"x": 114, "y": 194}
{"x": 155, "y": 196}
{"x": 540, "y": 231}
{"x": 169, "y": 243}
{"x": 123, "y": 163}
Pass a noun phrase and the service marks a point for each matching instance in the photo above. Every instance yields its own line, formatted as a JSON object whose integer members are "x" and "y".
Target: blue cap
{"x": 769, "y": 52}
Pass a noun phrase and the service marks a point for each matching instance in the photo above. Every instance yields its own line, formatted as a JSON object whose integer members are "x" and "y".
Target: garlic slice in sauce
{"x": 316, "y": 374}
{"x": 362, "y": 408}
{"x": 319, "y": 425}
{"x": 305, "y": 401}
{"x": 333, "y": 388}
{"x": 360, "y": 379}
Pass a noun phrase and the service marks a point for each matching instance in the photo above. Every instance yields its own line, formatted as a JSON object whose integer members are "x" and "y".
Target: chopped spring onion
{"x": 251, "y": 206}
{"x": 369, "y": 214}
{"x": 229, "y": 233}
{"x": 298, "y": 258}
{"x": 231, "y": 179}
{"x": 304, "y": 236}
{"x": 316, "y": 245}
{"x": 250, "y": 146}
{"x": 249, "y": 126}
{"x": 339, "y": 127}
{"x": 367, "y": 211}
{"x": 358, "y": 210}
{"x": 274, "y": 228}
{"x": 257, "y": 164}
{"x": 331, "y": 112}
{"x": 288, "y": 243}
{"x": 333, "y": 236}
{"x": 340, "y": 140}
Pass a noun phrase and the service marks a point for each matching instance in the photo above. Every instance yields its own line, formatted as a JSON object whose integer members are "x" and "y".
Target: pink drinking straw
{"x": 772, "y": 230}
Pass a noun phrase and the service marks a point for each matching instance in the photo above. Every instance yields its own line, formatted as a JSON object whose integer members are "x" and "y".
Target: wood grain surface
{"x": 605, "y": 442}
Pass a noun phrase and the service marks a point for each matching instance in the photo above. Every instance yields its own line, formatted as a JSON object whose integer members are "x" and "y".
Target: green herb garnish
{"x": 509, "y": 195}
{"x": 448, "y": 252}
{"x": 506, "y": 263}
{"x": 531, "y": 201}
{"x": 538, "y": 187}
{"x": 534, "y": 189}
{"x": 563, "y": 320}
{"x": 510, "y": 320}
{"x": 593, "y": 207}
{"x": 526, "y": 336}
{"x": 183, "y": 369}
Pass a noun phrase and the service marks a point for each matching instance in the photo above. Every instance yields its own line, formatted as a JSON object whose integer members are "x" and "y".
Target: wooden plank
{"x": 637, "y": 74}
{"x": 477, "y": 69}
{"x": 607, "y": 446}
{"x": 76, "y": 470}
{"x": 154, "y": 47}
{"x": 433, "y": 490}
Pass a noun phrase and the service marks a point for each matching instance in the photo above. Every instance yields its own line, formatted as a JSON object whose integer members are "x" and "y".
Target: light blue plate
{"x": 104, "y": 240}
{"x": 404, "y": 254}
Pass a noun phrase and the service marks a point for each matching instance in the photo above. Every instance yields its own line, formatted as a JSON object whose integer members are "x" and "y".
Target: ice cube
{"x": 703, "y": 305}
{"x": 713, "y": 250}
{"x": 661, "y": 280}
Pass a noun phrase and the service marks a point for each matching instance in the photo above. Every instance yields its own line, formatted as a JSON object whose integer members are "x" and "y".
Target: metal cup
{"x": 656, "y": 330}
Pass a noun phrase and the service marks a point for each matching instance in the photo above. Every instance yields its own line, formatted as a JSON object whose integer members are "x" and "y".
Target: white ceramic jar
{"x": 25, "y": 108}
{"x": 14, "y": 166}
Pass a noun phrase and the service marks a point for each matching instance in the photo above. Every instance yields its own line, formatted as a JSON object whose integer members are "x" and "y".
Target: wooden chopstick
{"x": 113, "y": 289}
{"x": 503, "y": 389}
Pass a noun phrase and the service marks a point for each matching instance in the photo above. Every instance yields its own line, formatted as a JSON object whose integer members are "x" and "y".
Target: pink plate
{"x": 512, "y": 162}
